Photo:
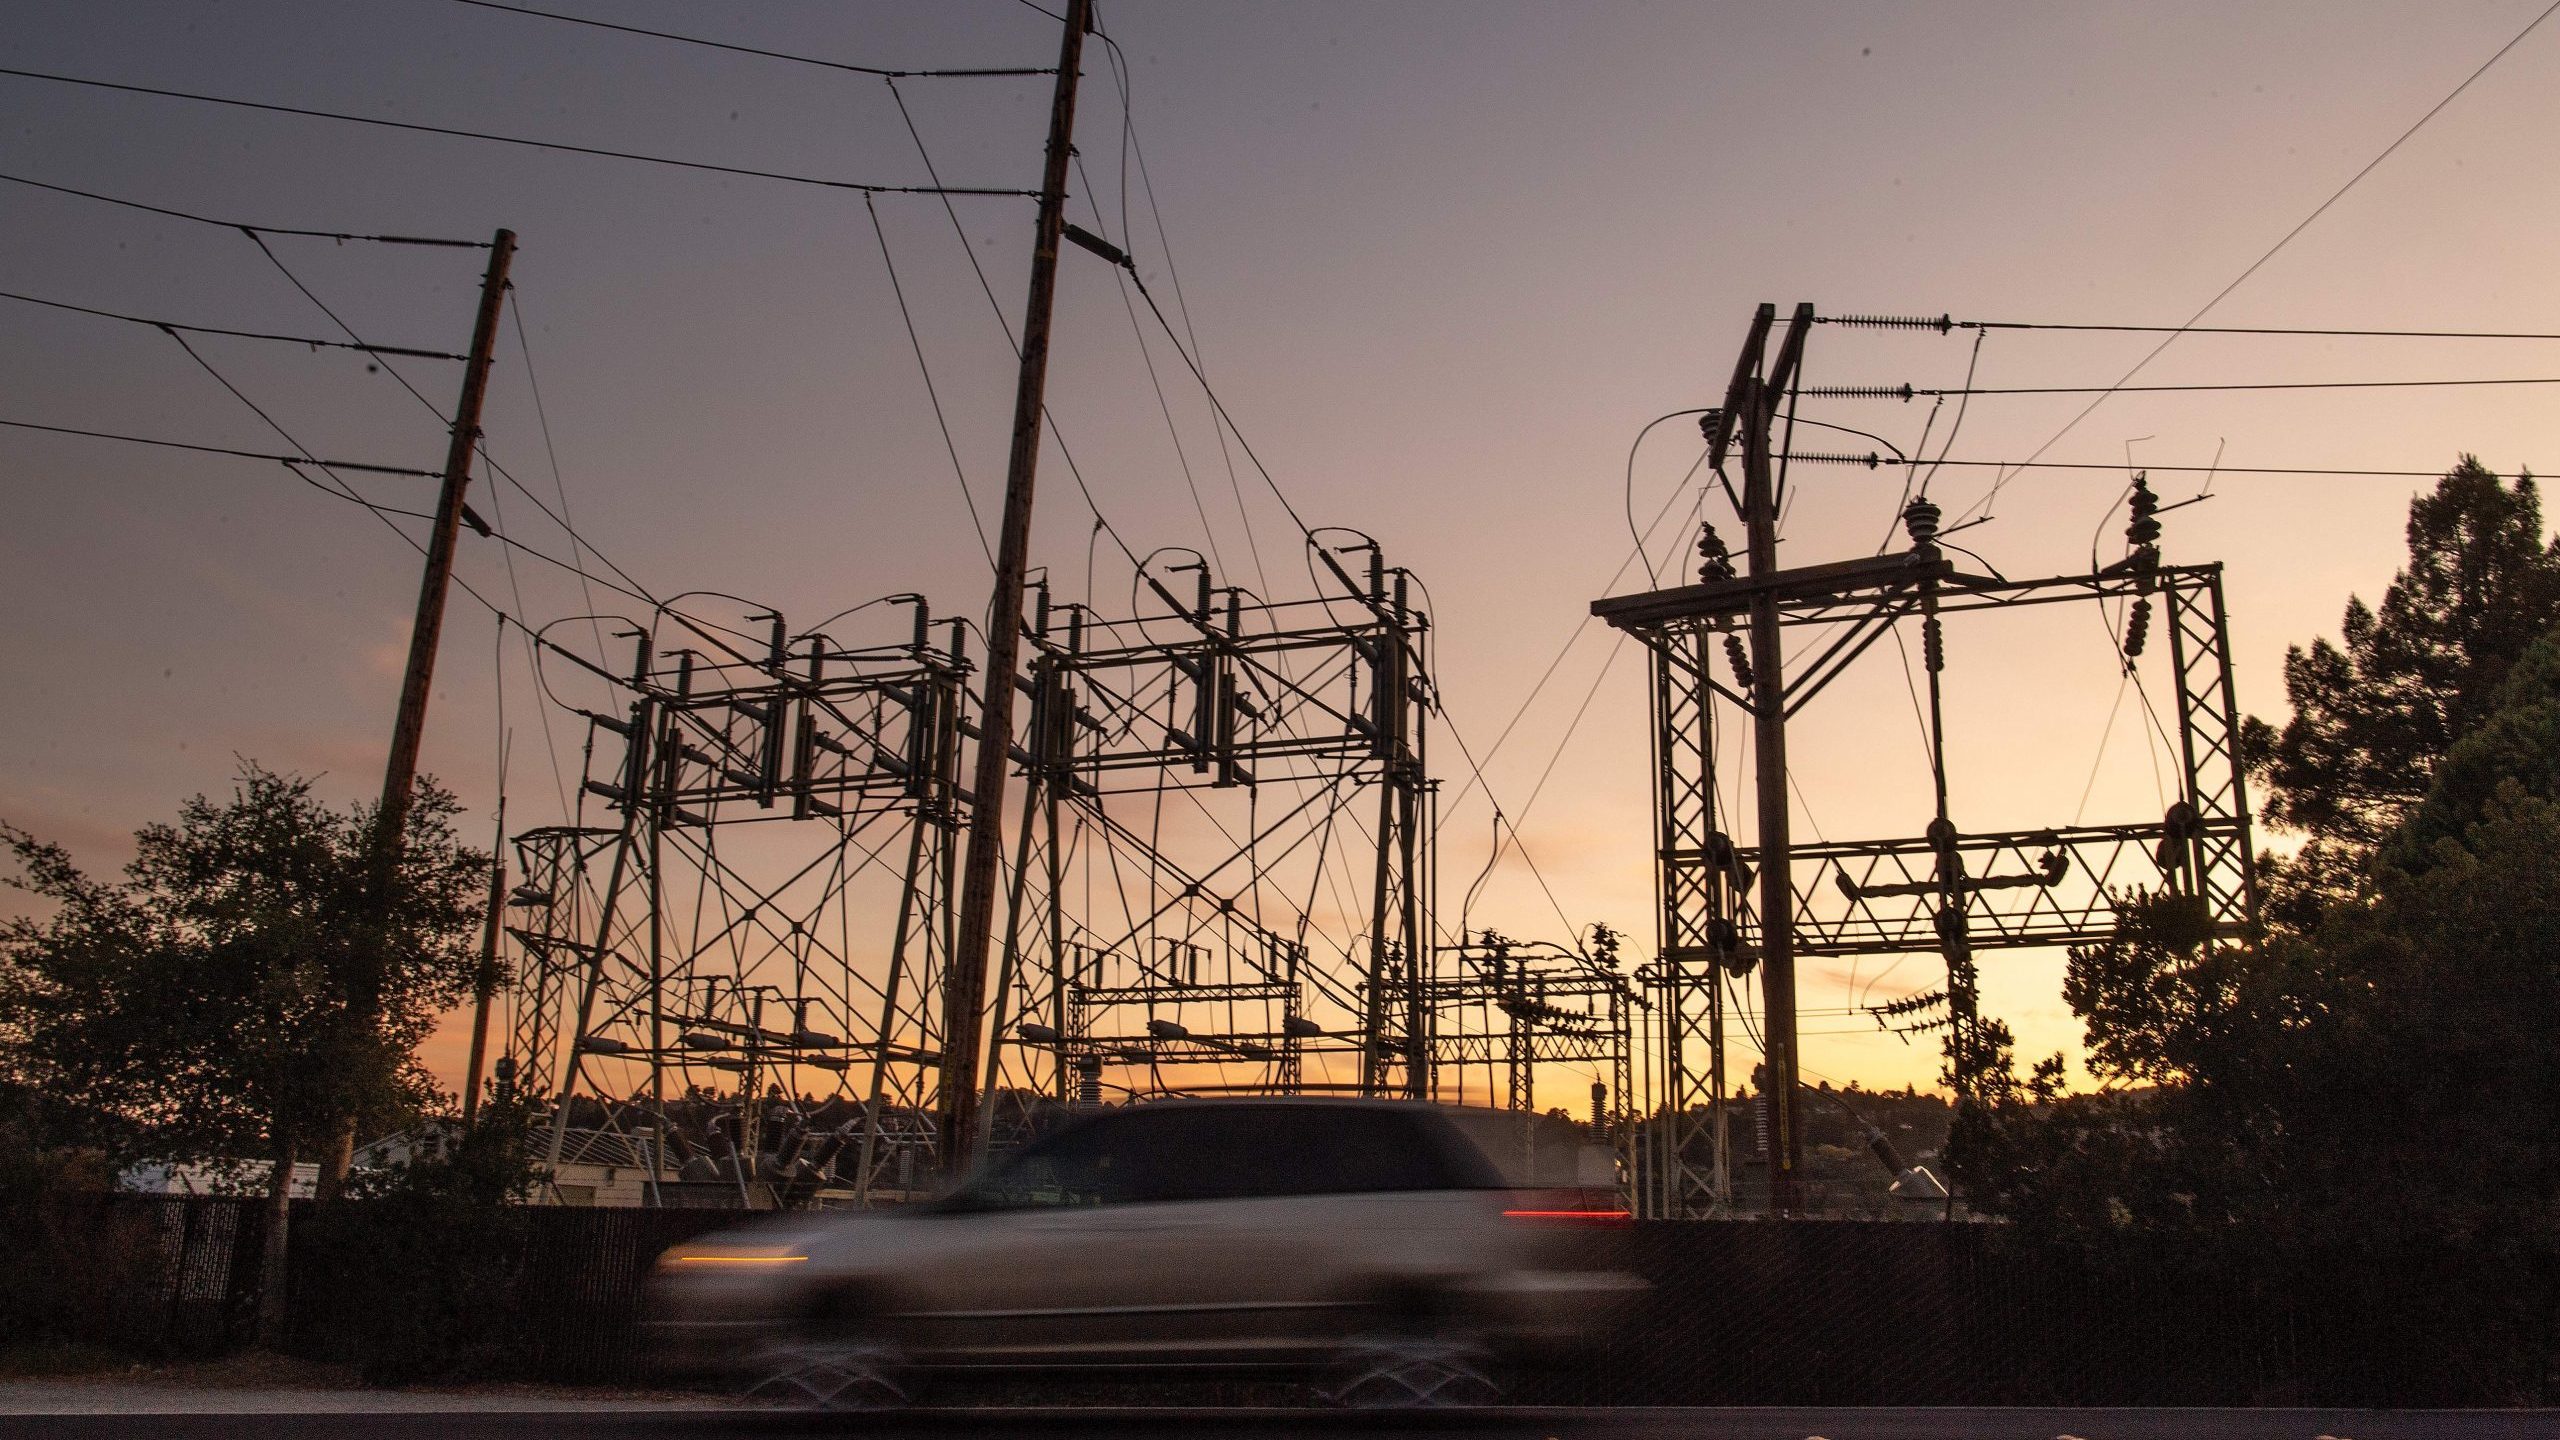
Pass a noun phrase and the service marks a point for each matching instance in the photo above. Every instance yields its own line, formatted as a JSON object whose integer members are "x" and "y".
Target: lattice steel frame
{"x": 1895, "y": 888}
{"x": 1511, "y": 1006}
{"x": 848, "y": 743}
{"x": 549, "y": 916}
{"x": 1225, "y": 692}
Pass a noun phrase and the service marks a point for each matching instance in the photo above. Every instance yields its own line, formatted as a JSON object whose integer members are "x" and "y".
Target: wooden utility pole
{"x": 1759, "y": 399}
{"x": 400, "y": 775}
{"x": 965, "y": 984}
{"x": 484, "y": 985}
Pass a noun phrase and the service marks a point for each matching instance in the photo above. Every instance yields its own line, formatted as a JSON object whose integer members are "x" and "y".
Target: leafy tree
{"x": 200, "y": 1005}
{"x": 2367, "y": 1112}
{"x": 2374, "y": 717}
{"x": 2363, "y": 1107}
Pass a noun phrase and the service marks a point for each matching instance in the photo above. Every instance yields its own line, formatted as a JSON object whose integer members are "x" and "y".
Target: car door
{"x": 1082, "y": 1247}
{"x": 1350, "y": 1216}
{"x": 1267, "y": 1234}
{"x": 1220, "y": 1247}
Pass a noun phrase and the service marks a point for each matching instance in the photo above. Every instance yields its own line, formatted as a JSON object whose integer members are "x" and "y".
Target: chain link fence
{"x": 1736, "y": 1313}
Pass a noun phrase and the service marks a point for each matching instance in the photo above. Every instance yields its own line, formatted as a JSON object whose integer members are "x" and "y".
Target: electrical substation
{"x": 835, "y": 909}
{"x": 1221, "y": 875}
{"x": 828, "y": 796}
{"x": 1731, "y": 911}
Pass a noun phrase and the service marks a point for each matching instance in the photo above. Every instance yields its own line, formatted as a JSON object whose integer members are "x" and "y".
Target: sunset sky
{"x": 1443, "y": 261}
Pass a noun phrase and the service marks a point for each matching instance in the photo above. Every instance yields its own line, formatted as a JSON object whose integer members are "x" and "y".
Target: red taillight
{"x": 1574, "y": 1208}
{"x": 1570, "y": 1217}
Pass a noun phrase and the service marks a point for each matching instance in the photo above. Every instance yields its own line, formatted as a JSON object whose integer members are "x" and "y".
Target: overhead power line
{"x": 1120, "y": 258}
{"x": 1908, "y": 392}
{"x": 752, "y": 50}
{"x": 1874, "y": 461}
{"x": 312, "y": 341}
{"x": 340, "y": 235}
{"x": 1983, "y": 505}
{"x": 960, "y": 232}
{"x": 224, "y": 450}
{"x": 338, "y": 488}
{"x": 1944, "y": 323}
{"x": 498, "y": 139}
{"x": 932, "y": 395}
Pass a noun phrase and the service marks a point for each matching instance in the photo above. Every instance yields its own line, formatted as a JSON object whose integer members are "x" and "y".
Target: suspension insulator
{"x": 1902, "y": 392}
{"x": 1715, "y": 561}
{"x": 1933, "y": 645}
{"x": 2142, "y": 530}
{"x": 1741, "y": 662}
{"x": 1920, "y": 517}
{"x": 1953, "y": 933}
{"x": 1724, "y": 944}
{"x": 2137, "y": 629}
{"x": 1942, "y": 323}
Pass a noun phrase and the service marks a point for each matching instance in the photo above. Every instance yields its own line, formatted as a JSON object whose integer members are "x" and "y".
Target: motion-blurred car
{"x": 1370, "y": 1243}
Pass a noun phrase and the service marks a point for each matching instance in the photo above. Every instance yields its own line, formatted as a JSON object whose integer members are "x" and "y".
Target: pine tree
{"x": 2374, "y": 717}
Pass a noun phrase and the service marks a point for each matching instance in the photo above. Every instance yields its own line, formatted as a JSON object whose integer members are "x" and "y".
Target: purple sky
{"x": 1443, "y": 261}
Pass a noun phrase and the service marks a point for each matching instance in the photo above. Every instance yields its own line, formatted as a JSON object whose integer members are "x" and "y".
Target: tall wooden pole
{"x": 1761, "y": 397}
{"x": 965, "y": 983}
{"x": 400, "y": 776}
{"x": 484, "y": 985}
{"x": 408, "y": 729}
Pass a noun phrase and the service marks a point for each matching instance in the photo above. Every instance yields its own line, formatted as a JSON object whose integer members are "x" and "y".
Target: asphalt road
{"x": 1735, "y": 1424}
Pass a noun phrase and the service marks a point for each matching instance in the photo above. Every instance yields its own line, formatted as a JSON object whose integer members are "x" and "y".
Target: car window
{"x": 1190, "y": 1153}
{"x": 1129, "y": 1158}
{"x": 1242, "y": 1151}
{"x": 1230, "y": 1152}
{"x": 1085, "y": 1164}
{"x": 1357, "y": 1151}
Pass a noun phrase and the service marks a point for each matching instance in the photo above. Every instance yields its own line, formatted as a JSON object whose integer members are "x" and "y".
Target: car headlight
{"x": 704, "y": 1257}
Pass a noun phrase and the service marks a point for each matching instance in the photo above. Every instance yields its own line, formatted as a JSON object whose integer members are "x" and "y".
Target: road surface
{"x": 72, "y": 1411}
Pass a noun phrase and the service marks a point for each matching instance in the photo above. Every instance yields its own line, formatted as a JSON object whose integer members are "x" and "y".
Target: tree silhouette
{"x": 200, "y": 1006}
{"x": 2373, "y": 717}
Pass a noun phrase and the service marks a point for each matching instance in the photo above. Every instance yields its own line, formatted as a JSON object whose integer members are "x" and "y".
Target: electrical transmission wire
{"x": 1983, "y": 506}
{"x": 303, "y": 459}
{"x": 1580, "y": 627}
{"x": 915, "y": 342}
{"x": 306, "y": 340}
{"x": 1652, "y": 577}
{"x": 1164, "y": 407}
{"x": 550, "y": 746}
{"x": 1121, "y": 70}
{"x": 302, "y": 456}
{"x": 1125, "y": 263}
{"x": 339, "y": 488}
{"x": 498, "y": 139}
{"x": 531, "y": 13}
{"x": 559, "y": 485}
{"x": 961, "y": 233}
{"x": 1516, "y": 841}
{"x": 342, "y": 488}
{"x": 1907, "y": 392}
{"x": 1215, "y": 403}
{"x": 338, "y": 235}
{"x": 1943, "y": 324}
{"x": 579, "y": 546}
{"x": 1872, "y": 461}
